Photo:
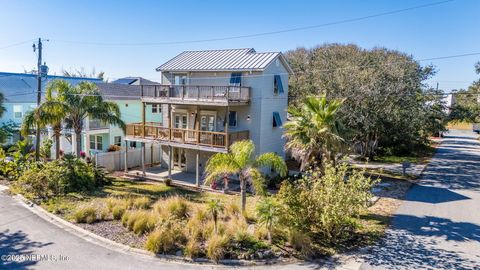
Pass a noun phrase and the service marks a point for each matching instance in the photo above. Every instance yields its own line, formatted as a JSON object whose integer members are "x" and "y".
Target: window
{"x": 96, "y": 142}
{"x": 180, "y": 79}
{"x": 277, "y": 85}
{"x": 232, "y": 118}
{"x": 156, "y": 108}
{"x": 236, "y": 79}
{"x": 277, "y": 121}
{"x": 117, "y": 140}
{"x": 17, "y": 111}
{"x": 99, "y": 143}
{"x": 133, "y": 144}
{"x": 92, "y": 141}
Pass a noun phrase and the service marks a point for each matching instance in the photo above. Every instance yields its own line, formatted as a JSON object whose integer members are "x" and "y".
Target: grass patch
{"x": 459, "y": 125}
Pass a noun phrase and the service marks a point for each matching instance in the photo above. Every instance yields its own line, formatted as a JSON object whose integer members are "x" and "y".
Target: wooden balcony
{"x": 196, "y": 94}
{"x": 155, "y": 131}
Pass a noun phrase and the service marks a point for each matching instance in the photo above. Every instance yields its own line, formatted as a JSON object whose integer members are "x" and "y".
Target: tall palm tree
{"x": 47, "y": 114}
{"x": 79, "y": 103}
{"x": 313, "y": 133}
{"x": 241, "y": 160}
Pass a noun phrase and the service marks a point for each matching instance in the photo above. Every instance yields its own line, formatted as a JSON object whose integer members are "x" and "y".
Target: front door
{"x": 207, "y": 123}
{"x": 179, "y": 159}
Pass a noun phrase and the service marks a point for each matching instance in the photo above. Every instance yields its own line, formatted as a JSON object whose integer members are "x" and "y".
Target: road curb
{"x": 118, "y": 247}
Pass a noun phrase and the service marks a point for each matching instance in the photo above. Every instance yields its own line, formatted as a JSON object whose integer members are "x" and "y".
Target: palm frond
{"x": 274, "y": 161}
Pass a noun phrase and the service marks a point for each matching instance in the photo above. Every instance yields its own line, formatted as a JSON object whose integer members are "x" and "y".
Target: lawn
{"x": 419, "y": 155}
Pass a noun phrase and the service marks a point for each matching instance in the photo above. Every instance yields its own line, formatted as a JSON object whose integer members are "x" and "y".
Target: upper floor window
{"x": 236, "y": 79}
{"x": 277, "y": 85}
{"x": 277, "y": 121}
{"x": 17, "y": 111}
{"x": 156, "y": 108}
{"x": 180, "y": 79}
{"x": 117, "y": 140}
{"x": 232, "y": 118}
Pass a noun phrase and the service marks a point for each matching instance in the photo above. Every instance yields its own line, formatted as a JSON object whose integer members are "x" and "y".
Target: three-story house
{"x": 211, "y": 99}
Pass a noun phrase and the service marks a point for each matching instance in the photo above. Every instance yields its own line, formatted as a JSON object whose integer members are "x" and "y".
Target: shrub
{"x": 141, "y": 203}
{"x": 178, "y": 207}
{"x": 193, "y": 248}
{"x": 113, "y": 202}
{"x": 114, "y": 148}
{"x": 168, "y": 182}
{"x": 232, "y": 208}
{"x": 300, "y": 242}
{"x": 216, "y": 246}
{"x": 85, "y": 214}
{"x": 118, "y": 211}
{"x": 325, "y": 205}
{"x": 145, "y": 222}
{"x": 58, "y": 177}
{"x": 166, "y": 238}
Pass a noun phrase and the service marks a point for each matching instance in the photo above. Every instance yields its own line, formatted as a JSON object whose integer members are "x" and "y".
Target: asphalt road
{"x": 438, "y": 225}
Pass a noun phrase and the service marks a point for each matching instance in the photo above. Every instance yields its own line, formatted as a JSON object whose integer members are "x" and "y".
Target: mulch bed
{"x": 113, "y": 230}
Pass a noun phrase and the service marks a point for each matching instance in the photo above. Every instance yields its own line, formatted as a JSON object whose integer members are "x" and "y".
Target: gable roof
{"x": 117, "y": 91}
{"x": 134, "y": 81}
{"x": 223, "y": 60}
{"x": 22, "y": 87}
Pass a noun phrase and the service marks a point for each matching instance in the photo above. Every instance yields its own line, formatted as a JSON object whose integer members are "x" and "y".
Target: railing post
{"x": 198, "y": 92}
{"x": 212, "y": 90}
{"x": 155, "y": 91}
{"x": 141, "y": 90}
{"x": 183, "y": 91}
{"x": 228, "y": 93}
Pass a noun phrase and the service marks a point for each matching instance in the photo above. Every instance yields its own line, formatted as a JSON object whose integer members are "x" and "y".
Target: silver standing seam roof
{"x": 223, "y": 60}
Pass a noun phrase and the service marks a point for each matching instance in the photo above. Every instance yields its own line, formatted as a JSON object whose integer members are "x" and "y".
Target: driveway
{"x": 438, "y": 225}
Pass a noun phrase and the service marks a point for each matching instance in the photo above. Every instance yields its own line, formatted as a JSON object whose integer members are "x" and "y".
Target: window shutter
{"x": 278, "y": 82}
{"x": 277, "y": 121}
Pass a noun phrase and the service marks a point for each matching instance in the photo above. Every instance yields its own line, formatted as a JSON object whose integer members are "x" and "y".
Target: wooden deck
{"x": 196, "y": 94}
{"x": 185, "y": 137}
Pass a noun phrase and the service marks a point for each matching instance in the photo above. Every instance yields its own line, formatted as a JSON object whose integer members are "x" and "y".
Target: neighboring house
{"x": 134, "y": 81}
{"x": 98, "y": 136}
{"x": 20, "y": 91}
{"x": 211, "y": 99}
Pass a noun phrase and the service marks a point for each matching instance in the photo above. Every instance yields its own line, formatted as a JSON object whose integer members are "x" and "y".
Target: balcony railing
{"x": 155, "y": 131}
{"x": 197, "y": 93}
{"x": 97, "y": 124}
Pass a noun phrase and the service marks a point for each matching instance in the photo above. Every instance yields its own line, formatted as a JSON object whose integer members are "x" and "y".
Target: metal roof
{"x": 134, "y": 81}
{"x": 117, "y": 91}
{"x": 22, "y": 88}
{"x": 222, "y": 60}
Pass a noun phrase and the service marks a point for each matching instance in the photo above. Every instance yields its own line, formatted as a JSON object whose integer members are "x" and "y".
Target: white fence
{"x": 115, "y": 161}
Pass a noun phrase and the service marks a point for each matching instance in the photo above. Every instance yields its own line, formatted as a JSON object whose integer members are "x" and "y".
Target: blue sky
{"x": 448, "y": 29}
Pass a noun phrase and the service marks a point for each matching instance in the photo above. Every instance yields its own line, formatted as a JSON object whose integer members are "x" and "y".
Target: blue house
{"x": 20, "y": 92}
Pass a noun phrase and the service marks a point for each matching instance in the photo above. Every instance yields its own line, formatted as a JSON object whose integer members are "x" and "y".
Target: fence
{"x": 115, "y": 161}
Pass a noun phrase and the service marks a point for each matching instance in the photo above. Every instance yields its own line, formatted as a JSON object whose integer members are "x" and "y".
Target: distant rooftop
{"x": 222, "y": 60}
{"x": 22, "y": 87}
{"x": 117, "y": 91}
{"x": 134, "y": 81}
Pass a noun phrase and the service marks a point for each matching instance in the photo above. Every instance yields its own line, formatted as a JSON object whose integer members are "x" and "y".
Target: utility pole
{"x": 41, "y": 71}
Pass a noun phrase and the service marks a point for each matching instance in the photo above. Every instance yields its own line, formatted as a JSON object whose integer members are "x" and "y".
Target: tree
{"x": 382, "y": 91}
{"x": 50, "y": 113}
{"x": 214, "y": 206}
{"x": 268, "y": 214}
{"x": 79, "y": 103}
{"x": 313, "y": 133}
{"x": 82, "y": 73}
{"x": 467, "y": 102}
{"x": 241, "y": 160}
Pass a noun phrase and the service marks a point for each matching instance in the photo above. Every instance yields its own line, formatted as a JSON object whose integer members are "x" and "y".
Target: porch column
{"x": 143, "y": 119}
{"x": 151, "y": 155}
{"x": 143, "y": 159}
{"x": 170, "y": 159}
{"x": 126, "y": 157}
{"x": 227, "y": 120}
{"x": 197, "y": 169}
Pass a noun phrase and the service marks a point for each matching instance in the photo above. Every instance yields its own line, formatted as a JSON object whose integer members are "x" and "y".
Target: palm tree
{"x": 313, "y": 133}
{"x": 241, "y": 160}
{"x": 43, "y": 116}
{"x": 267, "y": 214}
{"x": 79, "y": 103}
{"x": 214, "y": 206}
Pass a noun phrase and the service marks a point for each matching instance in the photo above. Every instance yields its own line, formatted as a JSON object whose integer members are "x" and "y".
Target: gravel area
{"x": 114, "y": 231}
{"x": 390, "y": 193}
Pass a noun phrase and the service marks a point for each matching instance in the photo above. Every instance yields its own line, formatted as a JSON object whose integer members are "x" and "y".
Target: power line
{"x": 356, "y": 19}
{"x": 16, "y": 44}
